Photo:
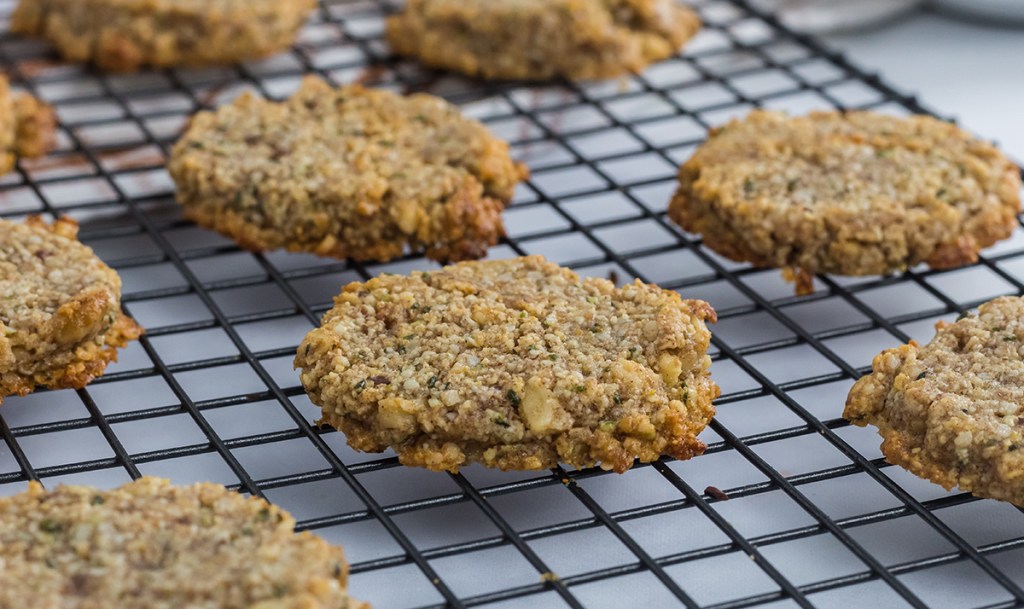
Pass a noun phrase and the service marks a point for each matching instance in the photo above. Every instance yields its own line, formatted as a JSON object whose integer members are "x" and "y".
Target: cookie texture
{"x": 541, "y": 39}
{"x": 951, "y": 411}
{"x": 854, "y": 193}
{"x": 60, "y": 312}
{"x": 516, "y": 364}
{"x": 124, "y": 35}
{"x": 347, "y": 172}
{"x": 150, "y": 545}
{"x": 26, "y": 127}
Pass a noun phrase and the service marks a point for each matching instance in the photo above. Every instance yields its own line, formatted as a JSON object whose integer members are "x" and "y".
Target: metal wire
{"x": 595, "y": 153}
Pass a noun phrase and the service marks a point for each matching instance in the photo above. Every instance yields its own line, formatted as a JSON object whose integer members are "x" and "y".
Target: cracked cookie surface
{"x": 125, "y": 35}
{"x": 854, "y": 193}
{"x": 60, "y": 309}
{"x": 516, "y": 364}
{"x": 541, "y": 39}
{"x": 150, "y": 545}
{"x": 952, "y": 411}
{"x": 346, "y": 172}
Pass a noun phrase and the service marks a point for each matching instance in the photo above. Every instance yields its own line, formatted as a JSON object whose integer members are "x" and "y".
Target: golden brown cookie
{"x": 951, "y": 411}
{"x": 60, "y": 309}
{"x": 150, "y": 545}
{"x": 26, "y": 127}
{"x": 124, "y": 35}
{"x": 516, "y": 364}
{"x": 541, "y": 39}
{"x": 854, "y": 193}
{"x": 347, "y": 172}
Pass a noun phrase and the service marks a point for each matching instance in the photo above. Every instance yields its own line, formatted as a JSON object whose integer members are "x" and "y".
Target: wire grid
{"x": 790, "y": 506}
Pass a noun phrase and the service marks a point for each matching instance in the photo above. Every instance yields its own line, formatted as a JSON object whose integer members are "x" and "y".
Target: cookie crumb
{"x": 716, "y": 493}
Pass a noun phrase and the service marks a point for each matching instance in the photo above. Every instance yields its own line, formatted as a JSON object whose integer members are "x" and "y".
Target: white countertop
{"x": 971, "y": 71}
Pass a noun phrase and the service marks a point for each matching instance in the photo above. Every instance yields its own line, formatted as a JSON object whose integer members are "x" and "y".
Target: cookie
{"x": 541, "y": 39}
{"x": 854, "y": 193}
{"x": 124, "y": 35}
{"x": 26, "y": 127}
{"x": 150, "y": 545}
{"x": 60, "y": 312}
{"x": 951, "y": 411}
{"x": 348, "y": 172}
{"x": 516, "y": 364}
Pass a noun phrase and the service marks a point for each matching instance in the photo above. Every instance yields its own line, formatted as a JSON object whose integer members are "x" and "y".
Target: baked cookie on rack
{"x": 148, "y": 544}
{"x": 124, "y": 35}
{"x": 346, "y": 172}
{"x": 26, "y": 127}
{"x": 60, "y": 309}
{"x": 516, "y": 364}
{"x": 856, "y": 193}
{"x": 951, "y": 411}
{"x": 541, "y": 39}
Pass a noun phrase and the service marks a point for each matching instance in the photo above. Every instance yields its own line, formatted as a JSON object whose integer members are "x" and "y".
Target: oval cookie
{"x": 516, "y": 364}
{"x": 951, "y": 411}
{"x": 60, "y": 309}
{"x": 149, "y": 544}
{"x": 853, "y": 193}
{"x": 347, "y": 172}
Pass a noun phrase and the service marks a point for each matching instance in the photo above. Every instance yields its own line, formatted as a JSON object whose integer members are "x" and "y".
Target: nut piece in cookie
{"x": 149, "y": 544}
{"x": 347, "y": 172}
{"x": 541, "y": 39}
{"x": 516, "y": 364}
{"x": 853, "y": 193}
{"x": 26, "y": 127}
{"x": 951, "y": 411}
{"x": 60, "y": 309}
{"x": 124, "y": 35}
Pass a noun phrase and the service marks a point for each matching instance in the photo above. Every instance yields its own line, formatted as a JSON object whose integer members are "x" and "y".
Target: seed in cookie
{"x": 347, "y": 172}
{"x": 26, "y": 127}
{"x": 541, "y": 39}
{"x": 124, "y": 35}
{"x": 149, "y": 544}
{"x": 516, "y": 364}
{"x": 60, "y": 309}
{"x": 951, "y": 411}
{"x": 854, "y": 193}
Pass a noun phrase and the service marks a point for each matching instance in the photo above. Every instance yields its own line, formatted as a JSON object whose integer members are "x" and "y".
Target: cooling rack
{"x": 790, "y": 506}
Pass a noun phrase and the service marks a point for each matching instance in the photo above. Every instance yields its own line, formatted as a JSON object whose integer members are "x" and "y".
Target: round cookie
{"x": 951, "y": 411}
{"x": 124, "y": 35}
{"x": 541, "y": 39}
{"x": 26, "y": 127}
{"x": 60, "y": 309}
{"x": 150, "y": 545}
{"x": 854, "y": 193}
{"x": 348, "y": 172}
{"x": 516, "y": 364}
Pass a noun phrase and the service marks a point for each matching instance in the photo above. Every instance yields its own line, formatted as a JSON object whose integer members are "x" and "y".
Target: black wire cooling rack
{"x": 789, "y": 506}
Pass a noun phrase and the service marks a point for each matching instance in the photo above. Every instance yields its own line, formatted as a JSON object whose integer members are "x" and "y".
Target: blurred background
{"x": 961, "y": 57}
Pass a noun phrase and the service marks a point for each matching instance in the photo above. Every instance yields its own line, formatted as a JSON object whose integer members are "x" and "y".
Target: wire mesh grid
{"x": 789, "y": 506}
